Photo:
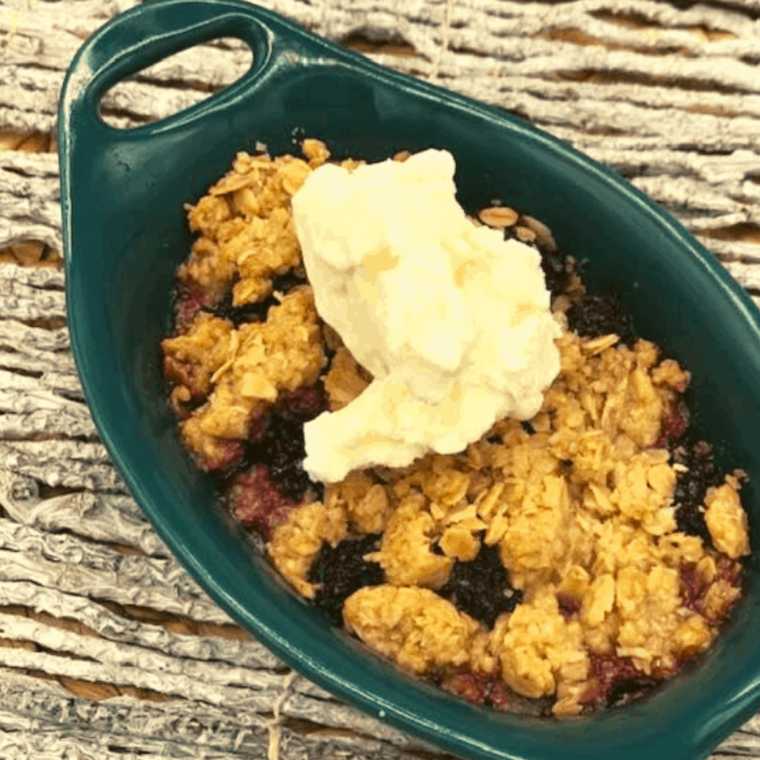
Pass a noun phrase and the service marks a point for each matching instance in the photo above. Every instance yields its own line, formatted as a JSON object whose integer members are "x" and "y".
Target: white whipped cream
{"x": 452, "y": 321}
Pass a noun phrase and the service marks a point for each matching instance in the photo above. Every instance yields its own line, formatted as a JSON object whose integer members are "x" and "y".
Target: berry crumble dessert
{"x": 571, "y": 556}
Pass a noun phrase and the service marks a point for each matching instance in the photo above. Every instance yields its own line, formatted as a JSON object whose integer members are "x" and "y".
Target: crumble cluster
{"x": 580, "y": 507}
{"x": 245, "y": 226}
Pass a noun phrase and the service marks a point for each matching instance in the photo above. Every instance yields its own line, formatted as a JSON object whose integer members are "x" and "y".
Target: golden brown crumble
{"x": 406, "y": 552}
{"x": 366, "y": 502}
{"x": 357, "y": 504}
{"x": 316, "y": 152}
{"x": 727, "y": 521}
{"x": 539, "y": 650}
{"x": 412, "y": 625}
{"x": 296, "y": 543}
{"x": 247, "y": 237}
{"x": 581, "y": 508}
{"x": 246, "y": 227}
{"x": 718, "y": 599}
{"x": 192, "y": 359}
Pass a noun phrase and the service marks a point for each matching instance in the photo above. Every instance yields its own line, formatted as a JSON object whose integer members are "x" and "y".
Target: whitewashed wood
{"x": 114, "y": 627}
{"x": 88, "y": 514}
{"x": 167, "y": 729}
{"x": 72, "y": 464}
{"x": 748, "y": 277}
{"x": 695, "y": 151}
{"x": 748, "y": 253}
{"x": 114, "y": 586}
{"x": 20, "y": 301}
{"x": 31, "y": 414}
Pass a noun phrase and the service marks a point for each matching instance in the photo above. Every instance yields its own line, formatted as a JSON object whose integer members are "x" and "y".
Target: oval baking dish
{"x": 125, "y": 233}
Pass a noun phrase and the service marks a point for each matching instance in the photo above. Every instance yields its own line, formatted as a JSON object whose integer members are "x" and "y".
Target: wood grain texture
{"x": 107, "y": 648}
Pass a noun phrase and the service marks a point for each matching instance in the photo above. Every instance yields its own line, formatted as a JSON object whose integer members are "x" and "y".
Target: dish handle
{"x": 155, "y": 30}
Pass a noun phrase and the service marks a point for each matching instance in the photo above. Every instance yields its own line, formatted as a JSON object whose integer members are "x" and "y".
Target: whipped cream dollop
{"x": 452, "y": 321}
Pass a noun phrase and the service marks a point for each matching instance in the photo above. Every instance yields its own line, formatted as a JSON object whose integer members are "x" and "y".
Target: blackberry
{"x": 692, "y": 485}
{"x": 283, "y": 449}
{"x": 238, "y": 315}
{"x": 341, "y": 570}
{"x": 258, "y": 310}
{"x": 276, "y": 441}
{"x": 283, "y": 452}
{"x": 556, "y": 274}
{"x": 481, "y": 587}
{"x": 594, "y": 316}
{"x": 284, "y": 283}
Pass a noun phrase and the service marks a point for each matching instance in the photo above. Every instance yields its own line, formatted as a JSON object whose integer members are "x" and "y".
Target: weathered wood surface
{"x": 107, "y": 648}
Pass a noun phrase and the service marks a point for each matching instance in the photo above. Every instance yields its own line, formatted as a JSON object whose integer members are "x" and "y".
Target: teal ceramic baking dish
{"x": 124, "y": 226}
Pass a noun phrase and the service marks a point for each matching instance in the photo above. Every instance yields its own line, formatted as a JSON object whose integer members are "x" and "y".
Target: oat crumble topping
{"x": 579, "y": 505}
{"x": 600, "y": 532}
{"x": 247, "y": 367}
{"x": 412, "y": 625}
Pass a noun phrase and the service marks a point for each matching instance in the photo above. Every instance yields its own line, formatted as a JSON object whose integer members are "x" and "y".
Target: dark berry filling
{"x": 258, "y": 503}
{"x": 692, "y": 485}
{"x": 594, "y": 316}
{"x": 693, "y": 588}
{"x": 257, "y": 311}
{"x": 625, "y": 692}
{"x": 276, "y": 441}
{"x": 556, "y": 272}
{"x": 675, "y": 425}
{"x": 190, "y": 298}
{"x": 569, "y": 606}
{"x": 341, "y": 570}
{"x": 481, "y": 587}
{"x": 267, "y": 479}
{"x": 283, "y": 451}
{"x": 617, "y": 682}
